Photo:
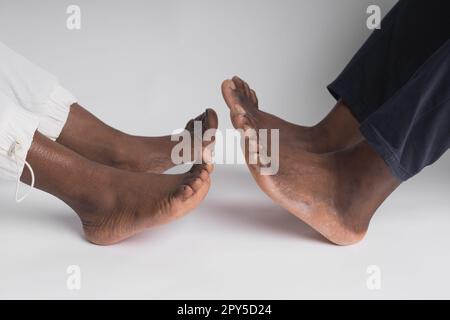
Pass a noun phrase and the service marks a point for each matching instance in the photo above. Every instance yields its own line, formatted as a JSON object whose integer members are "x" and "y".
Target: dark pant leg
{"x": 412, "y": 129}
{"x": 410, "y": 33}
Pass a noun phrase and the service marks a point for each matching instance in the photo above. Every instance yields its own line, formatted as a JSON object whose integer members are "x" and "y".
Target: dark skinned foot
{"x": 337, "y": 131}
{"x": 93, "y": 139}
{"x": 336, "y": 193}
{"x": 114, "y": 204}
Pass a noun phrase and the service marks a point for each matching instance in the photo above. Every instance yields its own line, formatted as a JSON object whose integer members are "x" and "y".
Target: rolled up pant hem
{"x": 356, "y": 107}
{"x": 372, "y": 135}
{"x": 384, "y": 150}
{"x": 57, "y": 109}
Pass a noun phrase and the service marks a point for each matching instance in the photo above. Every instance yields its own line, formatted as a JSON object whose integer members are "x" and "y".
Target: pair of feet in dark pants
{"x": 328, "y": 176}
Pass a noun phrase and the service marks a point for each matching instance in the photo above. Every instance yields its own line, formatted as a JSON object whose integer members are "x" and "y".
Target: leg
{"x": 337, "y": 193}
{"x": 95, "y": 140}
{"x": 382, "y": 66}
{"x": 316, "y": 187}
{"x": 35, "y": 90}
{"x": 112, "y": 204}
{"x": 39, "y": 92}
{"x": 391, "y": 55}
{"x": 412, "y": 129}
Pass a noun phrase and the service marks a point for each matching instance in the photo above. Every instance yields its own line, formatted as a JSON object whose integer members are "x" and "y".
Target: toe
{"x": 184, "y": 192}
{"x": 194, "y": 182}
{"x": 242, "y": 87}
{"x": 209, "y": 167}
{"x": 207, "y": 154}
{"x": 254, "y": 97}
{"x": 208, "y": 119}
{"x": 241, "y": 102}
{"x": 230, "y": 94}
{"x": 247, "y": 90}
{"x": 190, "y": 125}
{"x": 241, "y": 119}
{"x": 239, "y": 83}
{"x": 201, "y": 170}
{"x": 237, "y": 91}
{"x": 211, "y": 119}
{"x": 204, "y": 175}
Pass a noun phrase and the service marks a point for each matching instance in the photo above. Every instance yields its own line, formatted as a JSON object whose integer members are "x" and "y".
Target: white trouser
{"x": 30, "y": 100}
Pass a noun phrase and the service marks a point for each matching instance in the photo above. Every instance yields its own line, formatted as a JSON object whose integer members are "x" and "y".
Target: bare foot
{"x": 337, "y": 131}
{"x": 95, "y": 140}
{"x": 114, "y": 204}
{"x": 135, "y": 202}
{"x": 336, "y": 193}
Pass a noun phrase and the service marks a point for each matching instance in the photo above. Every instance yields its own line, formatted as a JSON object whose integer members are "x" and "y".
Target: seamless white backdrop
{"x": 147, "y": 67}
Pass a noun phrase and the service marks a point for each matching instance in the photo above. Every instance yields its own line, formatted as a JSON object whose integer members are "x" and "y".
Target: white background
{"x": 146, "y": 67}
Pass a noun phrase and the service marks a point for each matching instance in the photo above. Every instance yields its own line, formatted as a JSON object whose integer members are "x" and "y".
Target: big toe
{"x": 241, "y": 118}
{"x": 202, "y": 171}
{"x": 237, "y": 92}
{"x": 208, "y": 119}
{"x": 211, "y": 120}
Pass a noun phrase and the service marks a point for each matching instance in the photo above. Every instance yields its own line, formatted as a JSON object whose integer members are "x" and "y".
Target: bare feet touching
{"x": 114, "y": 204}
{"x": 334, "y": 186}
{"x": 93, "y": 139}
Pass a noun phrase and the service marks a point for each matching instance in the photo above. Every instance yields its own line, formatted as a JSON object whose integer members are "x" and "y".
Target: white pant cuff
{"x": 57, "y": 110}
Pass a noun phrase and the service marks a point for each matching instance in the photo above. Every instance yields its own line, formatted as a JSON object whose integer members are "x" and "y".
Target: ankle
{"x": 98, "y": 195}
{"x": 316, "y": 139}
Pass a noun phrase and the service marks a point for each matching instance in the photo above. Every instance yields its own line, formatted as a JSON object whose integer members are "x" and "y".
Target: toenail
{"x": 232, "y": 85}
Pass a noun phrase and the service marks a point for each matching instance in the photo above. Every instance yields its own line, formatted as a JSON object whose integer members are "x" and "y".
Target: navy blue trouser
{"x": 398, "y": 86}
